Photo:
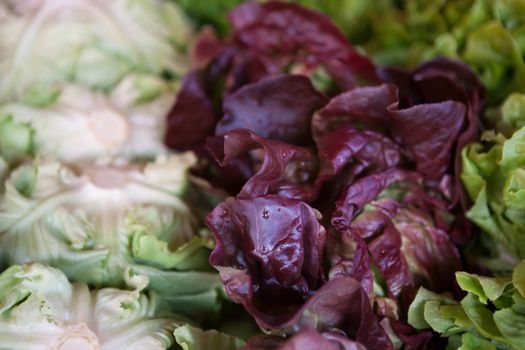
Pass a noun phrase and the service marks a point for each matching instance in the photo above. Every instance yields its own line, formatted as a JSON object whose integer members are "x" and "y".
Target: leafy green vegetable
{"x": 494, "y": 176}
{"x": 488, "y": 35}
{"x": 45, "y": 44}
{"x": 40, "y": 309}
{"x": 490, "y": 316}
{"x": 129, "y": 123}
{"x": 191, "y": 338}
{"x": 16, "y": 139}
{"x": 99, "y": 222}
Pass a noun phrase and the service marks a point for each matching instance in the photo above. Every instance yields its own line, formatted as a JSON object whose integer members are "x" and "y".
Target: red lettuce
{"x": 311, "y": 340}
{"x": 341, "y": 207}
{"x": 402, "y": 222}
{"x": 268, "y": 253}
{"x": 362, "y": 149}
{"x": 360, "y": 107}
{"x": 290, "y": 35}
{"x": 283, "y": 168}
{"x": 267, "y": 39}
{"x": 442, "y": 80}
{"x": 192, "y": 102}
{"x": 438, "y": 126}
{"x": 307, "y": 339}
{"x": 278, "y": 108}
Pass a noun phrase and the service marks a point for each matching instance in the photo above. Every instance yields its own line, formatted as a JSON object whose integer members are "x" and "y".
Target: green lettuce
{"x": 192, "y": 338}
{"x": 490, "y": 316}
{"x": 494, "y": 176}
{"x": 129, "y": 123}
{"x": 100, "y": 222}
{"x": 510, "y": 116}
{"x": 41, "y": 309}
{"x": 94, "y": 44}
{"x": 488, "y": 35}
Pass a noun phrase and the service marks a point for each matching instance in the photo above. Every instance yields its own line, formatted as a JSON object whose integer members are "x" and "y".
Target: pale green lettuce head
{"x": 40, "y": 309}
{"x": 192, "y": 338}
{"x": 489, "y": 35}
{"x": 83, "y": 125}
{"x": 94, "y": 43}
{"x": 97, "y": 221}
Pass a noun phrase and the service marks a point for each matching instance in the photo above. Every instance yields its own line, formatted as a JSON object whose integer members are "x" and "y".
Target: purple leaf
{"x": 192, "y": 118}
{"x": 278, "y": 108}
{"x": 363, "y": 106}
{"x": 430, "y": 131}
{"x": 283, "y": 169}
{"x": 307, "y": 339}
{"x": 312, "y": 340}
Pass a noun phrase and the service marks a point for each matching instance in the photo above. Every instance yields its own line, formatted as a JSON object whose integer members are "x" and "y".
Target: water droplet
{"x": 285, "y": 154}
{"x": 266, "y": 214}
{"x": 264, "y": 249}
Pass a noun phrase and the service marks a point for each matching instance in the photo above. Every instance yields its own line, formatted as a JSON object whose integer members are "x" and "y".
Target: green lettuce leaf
{"x": 16, "y": 139}
{"x": 490, "y": 316}
{"x": 41, "y": 309}
{"x": 129, "y": 122}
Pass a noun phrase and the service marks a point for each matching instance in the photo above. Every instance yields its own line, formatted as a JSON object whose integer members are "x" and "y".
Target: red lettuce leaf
{"x": 430, "y": 131}
{"x": 288, "y": 34}
{"x": 398, "y": 217}
{"x": 268, "y": 253}
{"x": 307, "y": 339}
{"x": 192, "y": 118}
{"x": 278, "y": 108}
{"x": 284, "y": 169}
{"x": 359, "y": 107}
{"x": 312, "y": 340}
{"x": 418, "y": 340}
{"x": 348, "y": 256}
{"x": 438, "y": 80}
{"x": 385, "y": 176}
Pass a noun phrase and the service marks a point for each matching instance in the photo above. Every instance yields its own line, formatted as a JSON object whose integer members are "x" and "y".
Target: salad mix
{"x": 287, "y": 175}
